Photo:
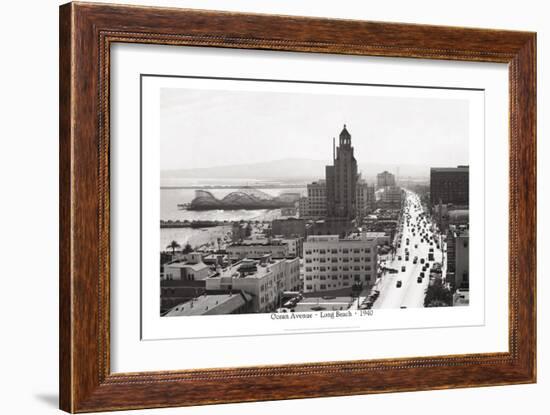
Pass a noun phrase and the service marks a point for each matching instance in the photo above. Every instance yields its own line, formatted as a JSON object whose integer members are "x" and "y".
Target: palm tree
{"x": 188, "y": 248}
{"x": 173, "y": 246}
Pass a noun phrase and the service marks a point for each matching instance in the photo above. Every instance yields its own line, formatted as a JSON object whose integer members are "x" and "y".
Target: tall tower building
{"x": 341, "y": 180}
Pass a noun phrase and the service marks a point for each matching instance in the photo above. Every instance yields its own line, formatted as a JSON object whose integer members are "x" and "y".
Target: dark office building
{"x": 288, "y": 227}
{"x": 449, "y": 185}
{"x": 341, "y": 180}
{"x": 385, "y": 179}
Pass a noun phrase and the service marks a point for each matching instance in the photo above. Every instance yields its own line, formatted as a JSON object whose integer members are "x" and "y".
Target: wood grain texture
{"x": 65, "y": 246}
{"x": 86, "y": 33}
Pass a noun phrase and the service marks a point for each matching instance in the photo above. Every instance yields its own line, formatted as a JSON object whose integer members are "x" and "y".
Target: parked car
{"x": 399, "y": 284}
{"x": 419, "y": 280}
{"x": 403, "y": 268}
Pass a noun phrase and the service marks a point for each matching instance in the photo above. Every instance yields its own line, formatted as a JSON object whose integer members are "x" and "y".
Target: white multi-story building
{"x": 187, "y": 267}
{"x": 264, "y": 280}
{"x": 331, "y": 263}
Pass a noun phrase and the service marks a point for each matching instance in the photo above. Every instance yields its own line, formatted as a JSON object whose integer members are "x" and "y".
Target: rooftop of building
{"x": 210, "y": 304}
{"x": 459, "y": 213}
{"x": 352, "y": 237}
{"x": 359, "y": 236}
{"x": 257, "y": 242}
{"x": 215, "y": 255}
{"x": 389, "y": 189}
{"x": 327, "y": 300}
{"x": 450, "y": 169}
{"x": 291, "y": 238}
{"x": 376, "y": 234}
{"x": 460, "y": 230}
{"x": 249, "y": 268}
{"x": 333, "y": 219}
{"x": 195, "y": 266}
{"x": 322, "y": 238}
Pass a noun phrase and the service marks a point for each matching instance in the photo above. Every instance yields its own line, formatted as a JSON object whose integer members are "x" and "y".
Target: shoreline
{"x": 196, "y": 237}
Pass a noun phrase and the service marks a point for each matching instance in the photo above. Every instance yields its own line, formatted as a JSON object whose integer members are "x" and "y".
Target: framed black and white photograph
{"x": 259, "y": 207}
{"x": 289, "y": 202}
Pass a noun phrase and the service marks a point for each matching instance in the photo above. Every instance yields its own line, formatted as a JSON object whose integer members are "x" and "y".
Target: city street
{"x": 410, "y": 293}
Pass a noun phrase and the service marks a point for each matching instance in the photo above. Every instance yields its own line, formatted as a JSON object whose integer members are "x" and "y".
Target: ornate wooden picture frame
{"x": 87, "y": 32}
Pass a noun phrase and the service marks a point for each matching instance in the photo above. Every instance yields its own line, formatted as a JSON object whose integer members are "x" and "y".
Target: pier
{"x": 192, "y": 224}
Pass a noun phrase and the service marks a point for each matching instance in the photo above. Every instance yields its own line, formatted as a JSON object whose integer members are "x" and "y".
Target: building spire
{"x": 345, "y": 136}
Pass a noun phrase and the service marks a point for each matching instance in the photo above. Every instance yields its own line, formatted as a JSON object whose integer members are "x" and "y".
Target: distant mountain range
{"x": 291, "y": 168}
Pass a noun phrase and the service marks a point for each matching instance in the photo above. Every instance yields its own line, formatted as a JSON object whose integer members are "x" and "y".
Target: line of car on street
{"x": 368, "y": 302}
{"x": 420, "y": 226}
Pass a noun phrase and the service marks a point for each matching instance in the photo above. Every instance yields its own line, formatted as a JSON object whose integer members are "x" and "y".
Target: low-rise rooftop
{"x": 248, "y": 268}
{"x": 210, "y": 304}
{"x": 323, "y": 302}
{"x": 184, "y": 264}
{"x": 376, "y": 234}
{"x": 256, "y": 242}
{"x": 464, "y": 169}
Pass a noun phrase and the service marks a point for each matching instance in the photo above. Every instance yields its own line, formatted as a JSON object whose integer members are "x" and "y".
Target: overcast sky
{"x": 207, "y": 128}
